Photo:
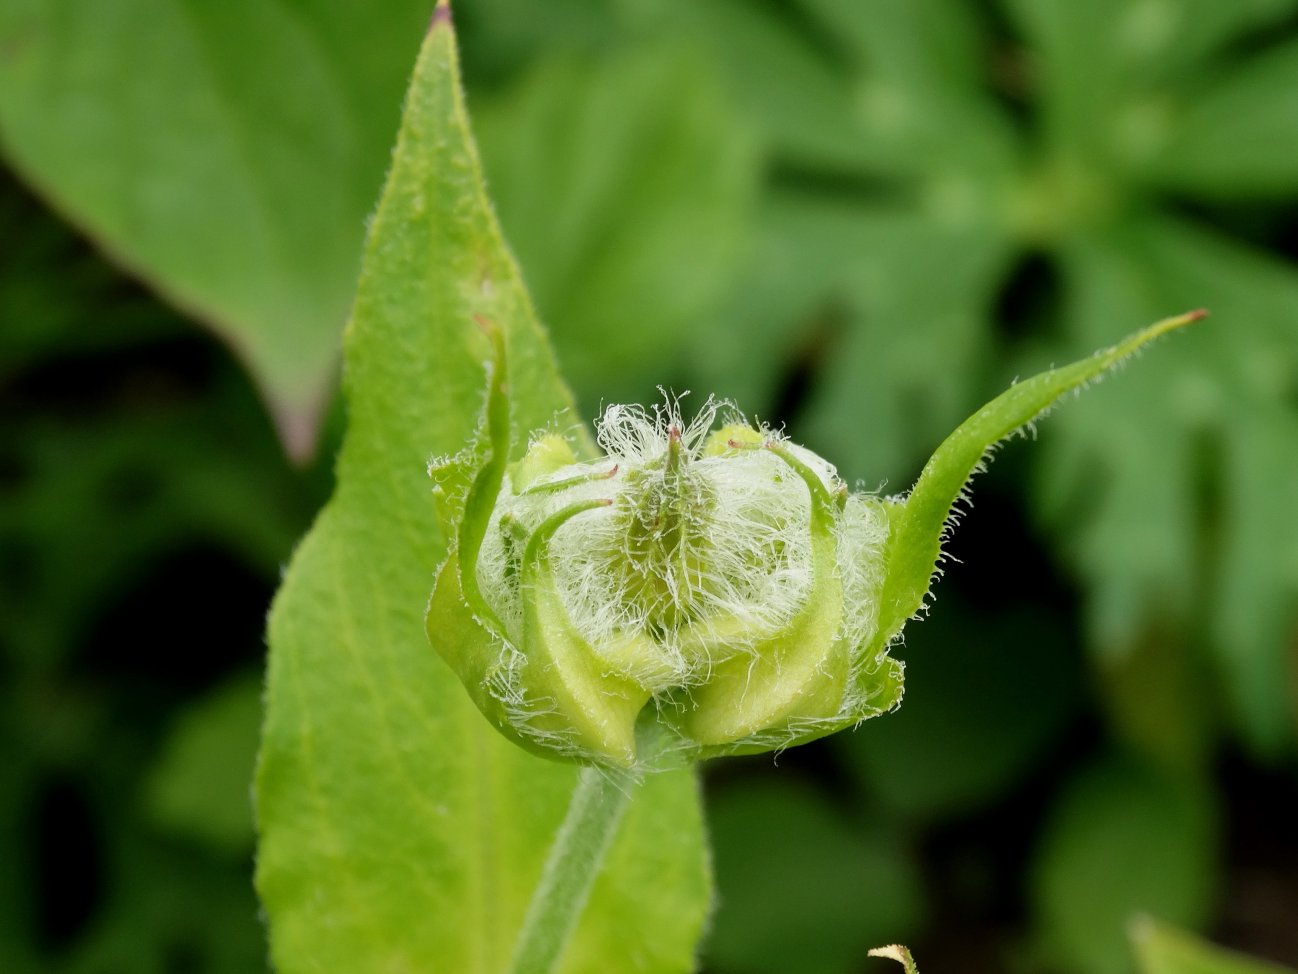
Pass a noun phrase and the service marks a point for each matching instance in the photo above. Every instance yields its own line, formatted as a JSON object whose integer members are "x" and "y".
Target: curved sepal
{"x": 918, "y": 524}
{"x": 794, "y": 679}
{"x": 568, "y": 694}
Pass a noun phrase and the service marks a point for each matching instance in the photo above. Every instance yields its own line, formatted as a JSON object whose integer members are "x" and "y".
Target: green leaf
{"x": 623, "y": 184}
{"x": 1107, "y": 69}
{"x": 897, "y": 319}
{"x": 1216, "y": 410}
{"x": 1245, "y": 409}
{"x": 137, "y": 481}
{"x": 227, "y": 153}
{"x": 199, "y": 786}
{"x": 1122, "y": 841}
{"x": 399, "y": 830}
{"x": 1239, "y": 137}
{"x": 862, "y": 90}
{"x": 1161, "y": 949}
{"x": 917, "y": 70}
{"x": 931, "y": 44}
{"x": 791, "y": 90}
{"x": 799, "y": 255}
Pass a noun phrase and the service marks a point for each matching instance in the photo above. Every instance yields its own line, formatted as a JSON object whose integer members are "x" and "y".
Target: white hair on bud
{"x": 633, "y": 434}
{"x": 862, "y": 533}
{"x": 708, "y": 556}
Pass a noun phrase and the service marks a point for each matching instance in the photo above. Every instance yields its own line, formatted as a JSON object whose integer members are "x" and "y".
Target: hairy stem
{"x": 598, "y": 801}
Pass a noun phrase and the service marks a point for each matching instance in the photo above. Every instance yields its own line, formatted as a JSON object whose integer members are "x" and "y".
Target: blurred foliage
{"x": 857, "y": 218}
{"x": 255, "y": 132}
{"x": 1119, "y": 814}
{"x": 145, "y": 506}
{"x": 1165, "y": 950}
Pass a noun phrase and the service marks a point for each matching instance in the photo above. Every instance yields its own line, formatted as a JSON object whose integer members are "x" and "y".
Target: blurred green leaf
{"x": 49, "y": 285}
{"x": 915, "y": 73}
{"x": 1107, "y": 69}
{"x": 775, "y": 318}
{"x": 1161, "y": 949}
{"x": 1253, "y": 563}
{"x": 1239, "y": 137}
{"x": 200, "y": 784}
{"x": 801, "y": 887}
{"x": 503, "y": 38}
{"x": 97, "y": 888}
{"x": 899, "y": 319}
{"x": 227, "y": 153}
{"x": 789, "y": 88}
{"x": 157, "y": 472}
{"x": 1217, "y": 412}
{"x": 872, "y": 89}
{"x": 836, "y": 291}
{"x": 1122, "y": 841}
{"x": 140, "y": 486}
{"x": 398, "y": 828}
{"x": 623, "y": 184}
{"x": 931, "y": 44}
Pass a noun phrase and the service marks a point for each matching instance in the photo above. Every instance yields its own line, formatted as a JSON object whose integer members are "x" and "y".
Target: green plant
{"x": 824, "y": 209}
{"x": 672, "y": 660}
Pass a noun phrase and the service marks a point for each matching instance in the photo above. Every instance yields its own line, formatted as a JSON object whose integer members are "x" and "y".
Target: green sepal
{"x": 481, "y": 499}
{"x": 640, "y": 659}
{"x": 713, "y": 639}
{"x": 546, "y": 455}
{"x": 790, "y": 680}
{"x": 471, "y": 650}
{"x": 917, "y": 524}
{"x": 878, "y": 689}
{"x": 467, "y": 646}
{"x": 591, "y": 709}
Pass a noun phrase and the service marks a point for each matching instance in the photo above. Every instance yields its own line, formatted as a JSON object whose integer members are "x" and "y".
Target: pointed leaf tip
{"x": 1169, "y": 324}
{"x": 441, "y": 15}
{"x": 919, "y": 523}
{"x": 1112, "y": 356}
{"x": 298, "y": 430}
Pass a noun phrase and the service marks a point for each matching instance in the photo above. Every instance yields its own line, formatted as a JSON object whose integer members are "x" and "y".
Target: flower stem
{"x": 598, "y": 801}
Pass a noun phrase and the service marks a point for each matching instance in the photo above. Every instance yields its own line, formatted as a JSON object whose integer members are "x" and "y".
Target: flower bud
{"x": 711, "y": 591}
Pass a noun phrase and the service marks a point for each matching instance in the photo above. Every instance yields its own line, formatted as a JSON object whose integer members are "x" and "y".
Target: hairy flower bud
{"x": 720, "y": 590}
